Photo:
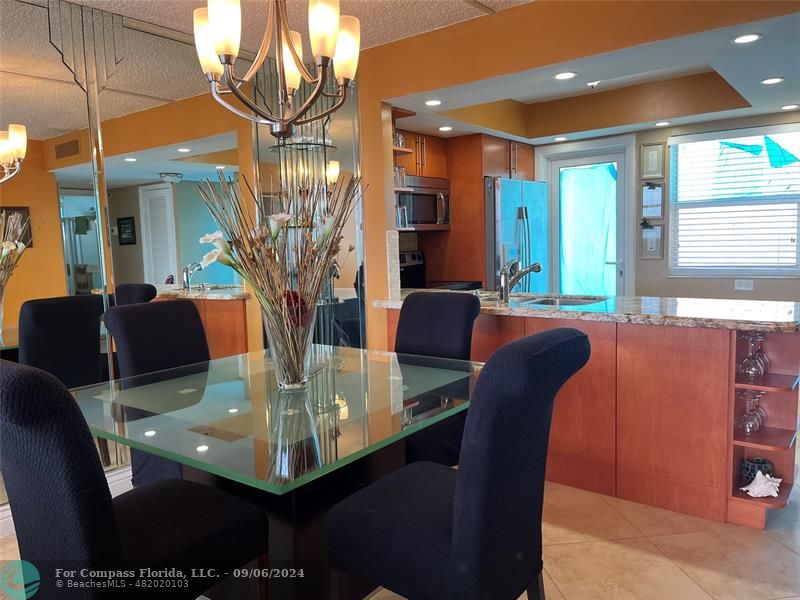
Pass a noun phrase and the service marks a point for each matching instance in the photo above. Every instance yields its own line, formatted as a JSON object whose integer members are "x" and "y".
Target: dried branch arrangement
{"x": 285, "y": 257}
{"x": 12, "y": 228}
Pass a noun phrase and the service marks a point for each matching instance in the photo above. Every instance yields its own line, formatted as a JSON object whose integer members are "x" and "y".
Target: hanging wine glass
{"x": 750, "y": 368}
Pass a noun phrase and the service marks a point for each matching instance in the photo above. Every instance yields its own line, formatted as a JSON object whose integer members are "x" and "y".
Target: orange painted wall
{"x": 526, "y": 37}
{"x": 40, "y": 273}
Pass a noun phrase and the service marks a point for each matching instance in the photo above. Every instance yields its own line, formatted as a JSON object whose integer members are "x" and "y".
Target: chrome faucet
{"x": 510, "y": 275}
{"x": 188, "y": 272}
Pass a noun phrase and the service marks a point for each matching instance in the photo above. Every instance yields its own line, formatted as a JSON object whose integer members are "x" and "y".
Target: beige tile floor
{"x": 602, "y": 548}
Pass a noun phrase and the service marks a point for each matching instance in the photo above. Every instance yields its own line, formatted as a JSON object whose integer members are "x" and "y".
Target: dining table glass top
{"x": 228, "y": 417}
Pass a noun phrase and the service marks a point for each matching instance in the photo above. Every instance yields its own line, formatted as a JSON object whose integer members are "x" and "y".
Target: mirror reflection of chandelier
{"x": 13, "y": 144}
{"x": 335, "y": 43}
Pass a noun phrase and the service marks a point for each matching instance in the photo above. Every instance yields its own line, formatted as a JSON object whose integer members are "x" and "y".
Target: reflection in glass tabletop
{"x": 227, "y": 416}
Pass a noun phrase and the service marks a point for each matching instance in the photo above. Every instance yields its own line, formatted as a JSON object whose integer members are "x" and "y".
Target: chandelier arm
{"x": 280, "y": 7}
{"x": 263, "y": 49}
{"x": 326, "y": 112}
{"x": 260, "y": 119}
{"x": 284, "y": 98}
{"x": 338, "y": 94}
{"x": 314, "y": 96}
{"x": 11, "y": 170}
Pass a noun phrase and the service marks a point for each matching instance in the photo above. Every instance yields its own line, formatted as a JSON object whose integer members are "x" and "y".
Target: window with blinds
{"x": 735, "y": 204}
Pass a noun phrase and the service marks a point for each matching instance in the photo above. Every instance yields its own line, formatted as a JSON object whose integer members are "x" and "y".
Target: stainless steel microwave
{"x": 427, "y": 203}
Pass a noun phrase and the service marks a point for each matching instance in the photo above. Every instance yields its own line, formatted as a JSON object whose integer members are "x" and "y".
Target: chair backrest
{"x": 134, "y": 293}
{"x": 58, "y": 494}
{"x": 62, "y": 336}
{"x": 437, "y": 324}
{"x": 497, "y": 526}
{"x": 156, "y": 336}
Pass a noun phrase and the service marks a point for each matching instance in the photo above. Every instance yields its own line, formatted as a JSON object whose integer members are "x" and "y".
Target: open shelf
{"x": 771, "y": 382}
{"x": 766, "y": 438}
{"x": 401, "y": 113}
{"x": 768, "y": 502}
{"x": 400, "y": 150}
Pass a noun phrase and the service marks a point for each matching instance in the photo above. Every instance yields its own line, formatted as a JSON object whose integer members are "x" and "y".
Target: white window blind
{"x": 735, "y": 205}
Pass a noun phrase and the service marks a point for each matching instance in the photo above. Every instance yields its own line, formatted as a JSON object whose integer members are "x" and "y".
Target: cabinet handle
{"x": 424, "y": 154}
{"x": 417, "y": 155}
{"x": 516, "y": 155}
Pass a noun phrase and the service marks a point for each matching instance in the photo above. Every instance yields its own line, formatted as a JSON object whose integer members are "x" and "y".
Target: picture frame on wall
{"x": 126, "y": 230}
{"x": 653, "y": 200}
{"x": 27, "y": 236}
{"x": 651, "y": 164}
{"x": 652, "y": 242}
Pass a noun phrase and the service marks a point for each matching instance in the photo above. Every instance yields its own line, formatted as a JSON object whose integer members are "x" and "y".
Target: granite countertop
{"x": 745, "y": 315}
{"x": 209, "y": 292}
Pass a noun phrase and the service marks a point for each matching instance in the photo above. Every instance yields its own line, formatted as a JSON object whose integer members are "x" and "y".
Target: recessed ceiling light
{"x": 202, "y": 448}
{"x": 445, "y": 128}
{"x": 129, "y": 159}
{"x": 184, "y": 149}
{"x": 747, "y": 38}
{"x": 149, "y": 433}
{"x": 593, "y": 84}
{"x": 233, "y": 411}
{"x": 219, "y": 167}
{"x": 560, "y": 139}
{"x": 773, "y": 80}
{"x": 662, "y": 123}
{"x": 564, "y": 75}
{"x": 433, "y": 102}
{"x": 789, "y": 107}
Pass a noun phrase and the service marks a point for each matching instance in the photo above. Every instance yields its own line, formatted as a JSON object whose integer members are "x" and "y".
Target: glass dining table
{"x": 295, "y": 452}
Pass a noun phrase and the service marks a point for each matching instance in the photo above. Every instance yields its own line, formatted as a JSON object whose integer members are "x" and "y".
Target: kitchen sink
{"x": 557, "y": 301}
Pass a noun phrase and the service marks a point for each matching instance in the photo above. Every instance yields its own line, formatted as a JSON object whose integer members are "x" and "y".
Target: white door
{"x": 588, "y": 226}
{"x": 157, "y": 216}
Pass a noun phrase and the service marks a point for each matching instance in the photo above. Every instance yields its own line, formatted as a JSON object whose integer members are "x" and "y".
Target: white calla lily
{"x": 278, "y": 221}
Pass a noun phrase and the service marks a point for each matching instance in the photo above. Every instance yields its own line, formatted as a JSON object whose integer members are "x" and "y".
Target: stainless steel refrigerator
{"x": 517, "y": 227}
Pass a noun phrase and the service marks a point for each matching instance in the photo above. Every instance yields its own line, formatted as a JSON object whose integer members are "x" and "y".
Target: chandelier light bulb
{"x": 289, "y": 67}
{"x": 348, "y": 45}
{"x": 209, "y": 61}
{"x": 332, "y": 171}
{"x": 6, "y": 156}
{"x": 323, "y": 26}
{"x": 225, "y": 26}
{"x": 17, "y": 141}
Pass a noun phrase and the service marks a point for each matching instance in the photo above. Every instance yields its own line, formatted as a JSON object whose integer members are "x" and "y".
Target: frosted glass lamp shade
{"x": 345, "y": 59}
{"x": 209, "y": 61}
{"x": 323, "y": 26}
{"x": 225, "y": 24}
{"x": 289, "y": 67}
{"x": 17, "y": 140}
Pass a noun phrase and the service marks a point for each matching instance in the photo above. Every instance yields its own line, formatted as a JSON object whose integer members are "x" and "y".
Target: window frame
{"x": 771, "y": 272}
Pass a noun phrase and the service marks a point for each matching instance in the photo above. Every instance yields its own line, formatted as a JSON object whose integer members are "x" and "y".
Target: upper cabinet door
{"x": 521, "y": 156}
{"x": 434, "y": 156}
{"x": 411, "y": 161}
{"x": 496, "y": 157}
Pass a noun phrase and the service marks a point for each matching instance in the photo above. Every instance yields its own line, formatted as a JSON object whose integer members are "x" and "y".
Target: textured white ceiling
{"x": 36, "y": 88}
{"x": 382, "y": 21}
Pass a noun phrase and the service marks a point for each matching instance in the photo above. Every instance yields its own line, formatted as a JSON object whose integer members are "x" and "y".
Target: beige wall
{"x": 128, "y": 263}
{"x": 652, "y": 278}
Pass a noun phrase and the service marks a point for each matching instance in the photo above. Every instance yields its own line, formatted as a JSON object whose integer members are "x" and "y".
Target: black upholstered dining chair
{"x": 62, "y": 336}
{"x": 151, "y": 337}
{"x": 64, "y": 515}
{"x": 134, "y": 293}
{"x": 437, "y": 324}
{"x": 430, "y": 532}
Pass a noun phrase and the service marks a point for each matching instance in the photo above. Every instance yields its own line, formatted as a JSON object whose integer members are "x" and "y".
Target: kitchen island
{"x": 223, "y": 311}
{"x": 653, "y": 416}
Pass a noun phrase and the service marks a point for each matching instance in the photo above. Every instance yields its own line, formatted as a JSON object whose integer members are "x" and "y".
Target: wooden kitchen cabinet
{"x": 428, "y": 156}
{"x": 496, "y": 157}
{"x": 521, "y": 159}
{"x": 672, "y": 413}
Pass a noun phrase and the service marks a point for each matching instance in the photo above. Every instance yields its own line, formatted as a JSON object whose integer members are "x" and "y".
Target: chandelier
{"x": 13, "y": 144}
{"x": 335, "y": 43}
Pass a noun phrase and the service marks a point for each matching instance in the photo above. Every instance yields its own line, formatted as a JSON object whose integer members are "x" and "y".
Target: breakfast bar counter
{"x": 653, "y": 417}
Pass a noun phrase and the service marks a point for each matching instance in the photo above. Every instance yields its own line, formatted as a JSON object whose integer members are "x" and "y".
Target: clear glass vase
{"x": 294, "y": 440}
{"x": 289, "y": 335}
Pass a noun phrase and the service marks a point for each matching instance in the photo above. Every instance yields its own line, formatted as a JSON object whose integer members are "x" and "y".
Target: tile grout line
{"x": 552, "y": 580}
{"x": 664, "y": 554}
